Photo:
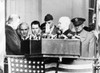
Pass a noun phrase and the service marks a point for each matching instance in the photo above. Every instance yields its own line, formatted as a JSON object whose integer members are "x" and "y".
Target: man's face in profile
{"x": 24, "y": 29}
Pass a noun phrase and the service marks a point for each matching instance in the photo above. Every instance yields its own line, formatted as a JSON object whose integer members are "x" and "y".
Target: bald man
{"x": 63, "y": 25}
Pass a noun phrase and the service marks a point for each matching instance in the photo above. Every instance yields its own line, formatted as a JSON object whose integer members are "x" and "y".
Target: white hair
{"x": 13, "y": 20}
{"x": 65, "y": 22}
{"x": 65, "y": 19}
{"x": 13, "y": 17}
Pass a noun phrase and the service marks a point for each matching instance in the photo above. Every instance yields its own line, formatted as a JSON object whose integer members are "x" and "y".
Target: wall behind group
{"x": 70, "y": 8}
{"x": 30, "y": 10}
{"x": 2, "y": 34}
{"x": 57, "y": 8}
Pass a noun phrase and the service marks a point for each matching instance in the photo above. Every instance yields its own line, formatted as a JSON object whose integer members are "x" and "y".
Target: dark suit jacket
{"x": 43, "y": 27}
{"x": 12, "y": 41}
{"x": 68, "y": 33}
{"x": 25, "y": 46}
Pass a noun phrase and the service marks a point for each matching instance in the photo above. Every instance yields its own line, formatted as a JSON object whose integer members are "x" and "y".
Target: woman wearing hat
{"x": 88, "y": 39}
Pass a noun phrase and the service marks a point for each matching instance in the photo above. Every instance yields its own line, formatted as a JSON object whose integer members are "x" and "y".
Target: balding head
{"x": 24, "y": 29}
{"x": 13, "y": 17}
{"x": 14, "y": 20}
{"x": 23, "y": 25}
{"x": 64, "y": 23}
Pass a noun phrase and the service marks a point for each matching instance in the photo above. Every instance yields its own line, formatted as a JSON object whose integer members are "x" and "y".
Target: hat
{"x": 77, "y": 21}
{"x": 48, "y": 17}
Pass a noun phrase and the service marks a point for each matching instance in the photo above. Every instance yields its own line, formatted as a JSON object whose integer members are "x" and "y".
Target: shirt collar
{"x": 25, "y": 38}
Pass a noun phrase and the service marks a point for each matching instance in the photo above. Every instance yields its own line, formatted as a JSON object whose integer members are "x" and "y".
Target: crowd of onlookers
{"x": 16, "y": 33}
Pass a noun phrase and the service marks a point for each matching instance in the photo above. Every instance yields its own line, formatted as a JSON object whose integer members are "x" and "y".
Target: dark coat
{"x": 12, "y": 41}
{"x": 43, "y": 27}
{"x": 25, "y": 46}
{"x": 68, "y": 33}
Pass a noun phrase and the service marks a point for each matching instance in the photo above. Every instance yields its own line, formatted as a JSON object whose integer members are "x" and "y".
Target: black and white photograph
{"x": 49, "y": 36}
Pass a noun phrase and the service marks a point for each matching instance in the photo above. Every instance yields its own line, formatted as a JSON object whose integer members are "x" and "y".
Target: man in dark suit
{"x": 12, "y": 39}
{"x": 35, "y": 37}
{"x": 24, "y": 37}
{"x": 88, "y": 39}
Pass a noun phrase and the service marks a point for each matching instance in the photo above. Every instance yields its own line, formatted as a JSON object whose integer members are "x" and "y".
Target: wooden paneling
{"x": 60, "y": 47}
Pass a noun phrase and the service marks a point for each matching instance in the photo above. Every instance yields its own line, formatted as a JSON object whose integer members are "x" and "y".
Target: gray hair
{"x": 23, "y": 23}
{"x": 12, "y": 18}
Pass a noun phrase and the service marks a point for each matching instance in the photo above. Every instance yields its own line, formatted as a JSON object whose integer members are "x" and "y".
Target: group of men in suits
{"x": 51, "y": 31}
